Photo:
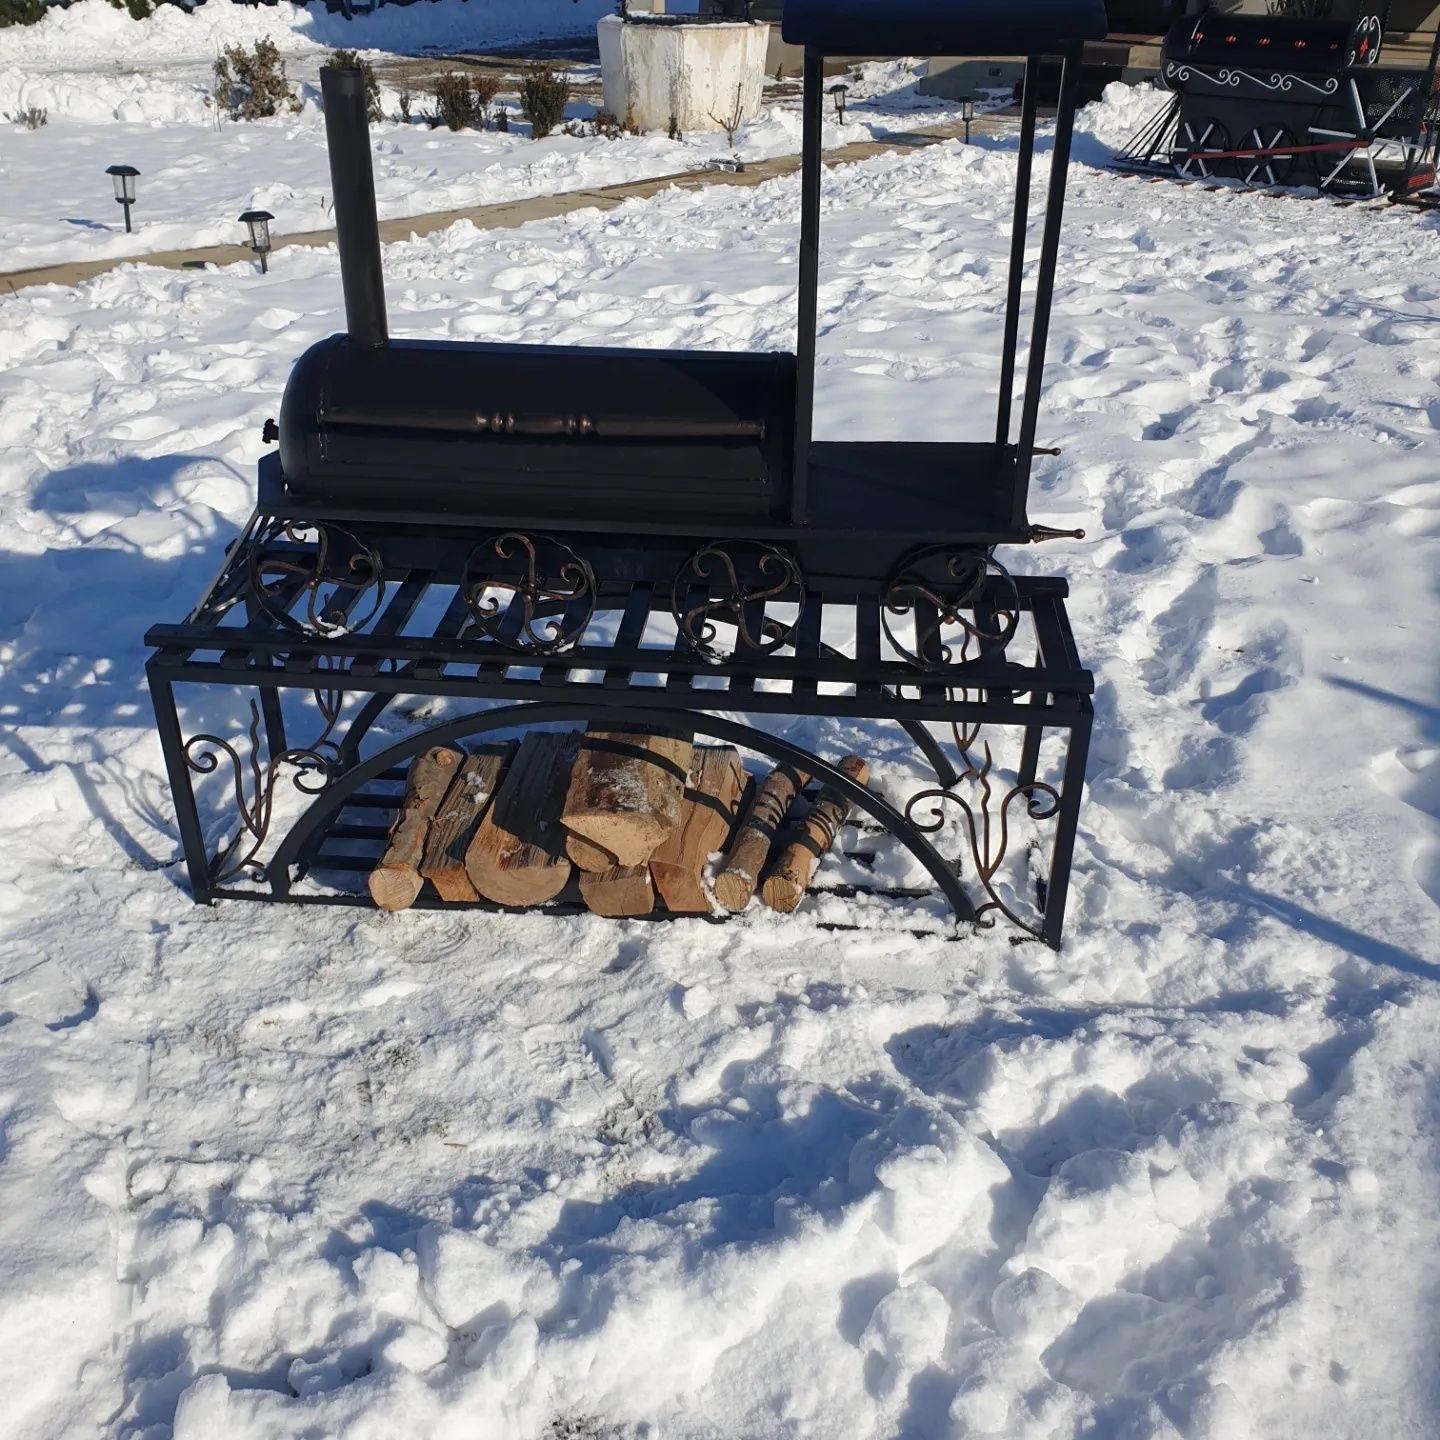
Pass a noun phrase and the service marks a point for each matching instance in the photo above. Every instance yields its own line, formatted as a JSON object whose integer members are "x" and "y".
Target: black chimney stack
{"x": 357, "y": 229}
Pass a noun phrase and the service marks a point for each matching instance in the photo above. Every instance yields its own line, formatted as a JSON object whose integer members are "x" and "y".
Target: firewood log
{"x": 707, "y": 819}
{"x": 395, "y": 881}
{"x": 798, "y": 855}
{"x": 736, "y": 879}
{"x": 625, "y": 794}
{"x": 623, "y": 891}
{"x": 517, "y": 856}
{"x": 453, "y": 827}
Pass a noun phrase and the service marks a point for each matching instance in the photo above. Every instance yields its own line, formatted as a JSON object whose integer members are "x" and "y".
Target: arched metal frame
{"x": 322, "y": 811}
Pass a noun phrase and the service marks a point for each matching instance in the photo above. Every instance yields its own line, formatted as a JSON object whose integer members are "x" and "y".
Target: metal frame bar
{"x": 808, "y": 318}
{"x": 1049, "y": 255}
{"x": 1019, "y": 229}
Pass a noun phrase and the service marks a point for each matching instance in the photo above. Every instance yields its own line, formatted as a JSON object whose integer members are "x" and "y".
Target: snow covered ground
{"x": 288, "y": 1173}
{"x": 118, "y": 91}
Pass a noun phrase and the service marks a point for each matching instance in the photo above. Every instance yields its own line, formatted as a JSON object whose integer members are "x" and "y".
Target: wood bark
{"x": 707, "y": 820}
{"x": 517, "y": 856}
{"x": 465, "y": 802}
{"x": 395, "y": 882}
{"x": 800, "y": 853}
{"x": 625, "y": 794}
{"x": 737, "y": 878}
{"x": 623, "y": 891}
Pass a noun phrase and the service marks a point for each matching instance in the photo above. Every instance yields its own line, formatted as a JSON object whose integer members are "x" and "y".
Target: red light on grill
{"x": 1264, "y": 40}
{"x": 1229, "y": 39}
{"x": 1299, "y": 44}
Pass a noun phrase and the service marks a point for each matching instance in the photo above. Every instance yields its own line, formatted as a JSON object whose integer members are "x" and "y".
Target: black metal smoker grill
{"x": 508, "y": 526}
{"x": 1292, "y": 100}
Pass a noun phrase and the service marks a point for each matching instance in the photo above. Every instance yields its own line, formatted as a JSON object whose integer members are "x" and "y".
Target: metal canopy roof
{"x": 942, "y": 27}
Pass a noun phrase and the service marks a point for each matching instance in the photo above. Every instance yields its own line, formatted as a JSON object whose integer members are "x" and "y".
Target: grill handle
{"x": 357, "y": 228}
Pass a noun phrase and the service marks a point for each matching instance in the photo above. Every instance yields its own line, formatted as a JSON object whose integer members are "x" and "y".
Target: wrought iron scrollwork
{"x": 543, "y": 579}
{"x": 310, "y": 577}
{"x": 740, "y": 579}
{"x": 254, "y": 784}
{"x": 989, "y": 836}
{"x": 946, "y": 589}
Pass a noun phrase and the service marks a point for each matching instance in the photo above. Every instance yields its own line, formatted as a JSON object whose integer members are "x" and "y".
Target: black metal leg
{"x": 274, "y": 718}
{"x": 1067, "y": 823}
{"x": 1030, "y": 755}
{"x": 271, "y": 711}
{"x": 172, "y": 747}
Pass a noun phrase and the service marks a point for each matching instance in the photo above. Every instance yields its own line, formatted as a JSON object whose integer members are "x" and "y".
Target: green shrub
{"x": 455, "y": 101}
{"x": 544, "y": 94}
{"x": 251, "y": 85}
{"x": 404, "y": 103}
{"x": 350, "y": 60}
{"x": 21, "y": 12}
{"x": 137, "y": 9}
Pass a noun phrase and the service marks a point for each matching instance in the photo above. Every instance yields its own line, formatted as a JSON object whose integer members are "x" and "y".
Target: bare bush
{"x": 32, "y": 117}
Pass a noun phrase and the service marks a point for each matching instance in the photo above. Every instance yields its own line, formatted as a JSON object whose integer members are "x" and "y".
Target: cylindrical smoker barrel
{"x": 357, "y": 229}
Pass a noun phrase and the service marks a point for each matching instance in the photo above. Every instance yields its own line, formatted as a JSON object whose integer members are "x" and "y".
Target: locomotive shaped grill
{"x": 1292, "y": 100}
{"x": 430, "y": 429}
{"x": 633, "y": 538}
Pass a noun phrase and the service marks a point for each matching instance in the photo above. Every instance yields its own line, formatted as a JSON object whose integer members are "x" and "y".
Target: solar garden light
{"x": 259, "y": 223}
{"x": 840, "y": 92}
{"x": 967, "y": 113}
{"x": 124, "y": 178}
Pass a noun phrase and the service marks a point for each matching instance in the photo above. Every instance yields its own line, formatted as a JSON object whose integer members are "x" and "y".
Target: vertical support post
{"x": 357, "y": 228}
{"x": 182, "y": 791}
{"x": 1030, "y": 100}
{"x": 810, "y": 170}
{"x": 1413, "y": 156}
{"x": 125, "y": 206}
{"x": 1067, "y": 822}
{"x": 1049, "y": 253}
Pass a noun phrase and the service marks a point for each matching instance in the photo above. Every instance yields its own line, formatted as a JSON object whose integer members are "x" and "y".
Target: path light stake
{"x": 258, "y": 222}
{"x": 124, "y": 179}
{"x": 967, "y": 114}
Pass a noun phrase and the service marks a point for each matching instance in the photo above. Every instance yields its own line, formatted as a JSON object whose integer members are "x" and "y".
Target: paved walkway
{"x": 503, "y": 216}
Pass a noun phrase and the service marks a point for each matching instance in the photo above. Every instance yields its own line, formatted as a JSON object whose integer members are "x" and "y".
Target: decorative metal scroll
{"x": 1227, "y": 77}
{"x": 311, "y": 578}
{"x": 989, "y": 836}
{"x": 741, "y": 578}
{"x": 254, "y": 783}
{"x": 945, "y": 589}
{"x": 549, "y": 592}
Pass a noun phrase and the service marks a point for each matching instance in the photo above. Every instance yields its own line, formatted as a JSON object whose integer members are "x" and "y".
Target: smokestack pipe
{"x": 357, "y": 228}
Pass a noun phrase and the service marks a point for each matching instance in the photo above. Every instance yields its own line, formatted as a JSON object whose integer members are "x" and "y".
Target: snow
{"x": 198, "y": 171}
{"x": 93, "y": 34}
{"x": 288, "y": 1172}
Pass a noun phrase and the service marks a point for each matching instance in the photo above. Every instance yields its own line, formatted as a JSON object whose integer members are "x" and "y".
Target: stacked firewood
{"x": 634, "y": 819}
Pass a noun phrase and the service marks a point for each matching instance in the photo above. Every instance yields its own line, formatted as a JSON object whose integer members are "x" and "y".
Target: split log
{"x": 517, "y": 856}
{"x": 592, "y": 859}
{"x": 624, "y": 891}
{"x": 625, "y": 794}
{"x": 707, "y": 820}
{"x": 789, "y": 877}
{"x": 395, "y": 881}
{"x": 453, "y": 827}
{"x": 736, "y": 879}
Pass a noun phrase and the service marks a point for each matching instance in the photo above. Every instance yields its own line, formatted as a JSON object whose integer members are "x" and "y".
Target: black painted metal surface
{"x": 942, "y": 27}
